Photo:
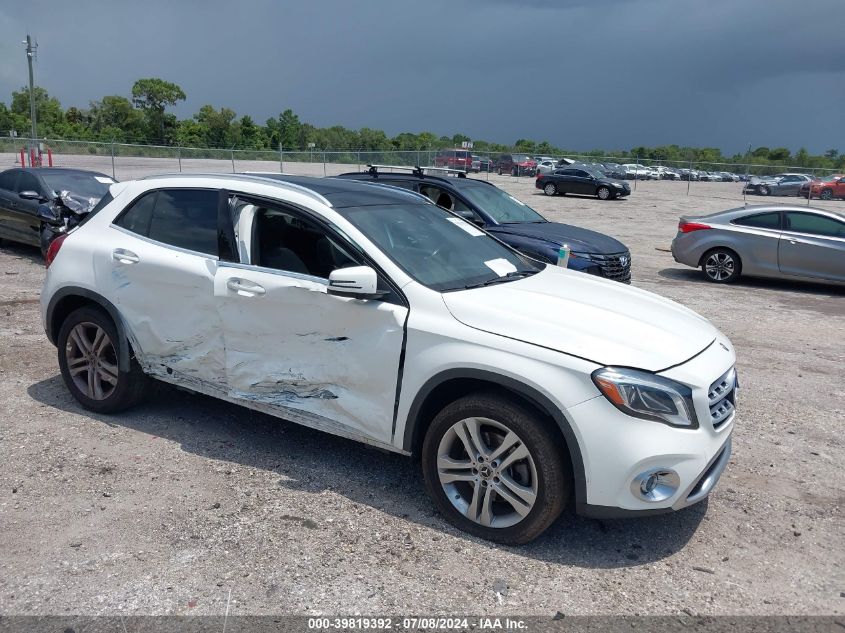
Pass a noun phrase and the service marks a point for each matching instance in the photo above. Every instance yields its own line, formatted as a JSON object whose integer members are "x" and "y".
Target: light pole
{"x": 30, "y": 55}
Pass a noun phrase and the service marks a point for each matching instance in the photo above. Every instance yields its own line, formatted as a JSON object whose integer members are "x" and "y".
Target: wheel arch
{"x": 71, "y": 298}
{"x": 451, "y": 384}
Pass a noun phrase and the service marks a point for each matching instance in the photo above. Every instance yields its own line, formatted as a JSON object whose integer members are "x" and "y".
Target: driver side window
{"x": 284, "y": 240}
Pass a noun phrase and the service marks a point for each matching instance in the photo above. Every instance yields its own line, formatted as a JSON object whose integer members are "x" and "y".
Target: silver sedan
{"x": 786, "y": 242}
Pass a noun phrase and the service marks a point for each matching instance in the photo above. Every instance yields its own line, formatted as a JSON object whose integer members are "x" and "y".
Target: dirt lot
{"x": 186, "y": 503}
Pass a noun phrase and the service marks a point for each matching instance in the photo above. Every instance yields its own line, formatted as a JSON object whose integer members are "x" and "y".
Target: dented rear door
{"x": 331, "y": 362}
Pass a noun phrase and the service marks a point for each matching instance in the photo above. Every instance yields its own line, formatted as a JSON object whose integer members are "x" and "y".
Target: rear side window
{"x": 761, "y": 220}
{"x": 8, "y": 180}
{"x": 814, "y": 225}
{"x": 185, "y": 218}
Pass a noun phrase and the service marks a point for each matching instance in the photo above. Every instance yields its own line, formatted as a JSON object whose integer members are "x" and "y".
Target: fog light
{"x": 649, "y": 484}
{"x": 657, "y": 484}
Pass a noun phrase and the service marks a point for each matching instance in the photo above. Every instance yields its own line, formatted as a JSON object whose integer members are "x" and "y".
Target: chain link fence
{"x": 125, "y": 161}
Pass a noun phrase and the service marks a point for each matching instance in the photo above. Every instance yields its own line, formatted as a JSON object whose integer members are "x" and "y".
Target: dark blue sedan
{"x": 514, "y": 222}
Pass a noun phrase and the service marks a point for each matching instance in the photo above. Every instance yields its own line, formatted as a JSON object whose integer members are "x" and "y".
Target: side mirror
{"x": 360, "y": 282}
{"x": 31, "y": 195}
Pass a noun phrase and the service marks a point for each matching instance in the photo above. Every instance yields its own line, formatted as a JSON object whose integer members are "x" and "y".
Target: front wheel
{"x": 549, "y": 189}
{"x": 721, "y": 266}
{"x": 495, "y": 469}
{"x": 827, "y": 194}
{"x": 89, "y": 359}
{"x": 603, "y": 193}
{"x": 763, "y": 190}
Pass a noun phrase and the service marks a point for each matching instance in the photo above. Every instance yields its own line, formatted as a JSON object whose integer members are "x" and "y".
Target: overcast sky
{"x": 581, "y": 74}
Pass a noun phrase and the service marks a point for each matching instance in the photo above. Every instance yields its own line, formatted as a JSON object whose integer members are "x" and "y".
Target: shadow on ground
{"x": 312, "y": 461}
{"x": 22, "y": 251}
{"x": 807, "y": 289}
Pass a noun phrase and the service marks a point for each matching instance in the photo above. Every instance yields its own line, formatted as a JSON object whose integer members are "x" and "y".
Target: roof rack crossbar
{"x": 417, "y": 170}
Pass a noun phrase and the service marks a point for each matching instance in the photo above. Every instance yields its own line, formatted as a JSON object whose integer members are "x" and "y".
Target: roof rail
{"x": 261, "y": 177}
{"x": 416, "y": 170}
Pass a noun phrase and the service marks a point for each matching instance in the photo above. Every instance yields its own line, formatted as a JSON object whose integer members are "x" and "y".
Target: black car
{"x": 24, "y": 190}
{"x": 583, "y": 181}
{"x": 513, "y": 222}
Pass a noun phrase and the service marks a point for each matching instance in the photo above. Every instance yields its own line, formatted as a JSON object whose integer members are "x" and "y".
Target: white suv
{"x": 368, "y": 312}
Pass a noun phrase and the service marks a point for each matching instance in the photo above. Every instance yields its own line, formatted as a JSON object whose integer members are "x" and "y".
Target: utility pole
{"x": 31, "y": 50}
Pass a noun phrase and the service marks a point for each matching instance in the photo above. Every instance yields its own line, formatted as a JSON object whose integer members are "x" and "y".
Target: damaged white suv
{"x": 368, "y": 312}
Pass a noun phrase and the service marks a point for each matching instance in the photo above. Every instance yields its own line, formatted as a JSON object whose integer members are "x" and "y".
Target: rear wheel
{"x": 495, "y": 469}
{"x": 721, "y": 266}
{"x": 763, "y": 190}
{"x": 549, "y": 189}
{"x": 89, "y": 360}
{"x": 603, "y": 193}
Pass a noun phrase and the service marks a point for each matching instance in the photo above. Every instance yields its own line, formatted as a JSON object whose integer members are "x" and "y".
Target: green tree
{"x": 153, "y": 96}
{"x": 779, "y": 154}
{"x": 217, "y": 126}
{"x": 48, "y": 110}
{"x": 290, "y": 130}
{"x": 831, "y": 154}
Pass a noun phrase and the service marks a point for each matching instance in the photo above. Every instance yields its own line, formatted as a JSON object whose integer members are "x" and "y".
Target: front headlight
{"x": 619, "y": 185}
{"x": 647, "y": 396}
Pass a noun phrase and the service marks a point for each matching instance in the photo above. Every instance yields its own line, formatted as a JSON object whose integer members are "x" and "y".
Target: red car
{"x": 826, "y": 188}
{"x": 516, "y": 165}
{"x": 460, "y": 159}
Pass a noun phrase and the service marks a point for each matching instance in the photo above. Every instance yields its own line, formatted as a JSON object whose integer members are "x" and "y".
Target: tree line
{"x": 143, "y": 118}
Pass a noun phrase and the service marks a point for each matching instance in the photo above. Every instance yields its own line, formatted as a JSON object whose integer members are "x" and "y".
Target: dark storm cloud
{"x": 581, "y": 74}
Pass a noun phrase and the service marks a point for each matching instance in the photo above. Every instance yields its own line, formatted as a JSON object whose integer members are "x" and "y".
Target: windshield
{"x": 521, "y": 158}
{"x": 436, "y": 248}
{"x": 595, "y": 173}
{"x": 503, "y": 208}
{"x": 79, "y": 184}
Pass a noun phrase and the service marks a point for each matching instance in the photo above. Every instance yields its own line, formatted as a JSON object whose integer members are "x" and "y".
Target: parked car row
{"x": 453, "y": 331}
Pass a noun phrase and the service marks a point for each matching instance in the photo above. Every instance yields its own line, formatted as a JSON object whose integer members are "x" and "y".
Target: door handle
{"x": 124, "y": 257}
{"x": 245, "y": 288}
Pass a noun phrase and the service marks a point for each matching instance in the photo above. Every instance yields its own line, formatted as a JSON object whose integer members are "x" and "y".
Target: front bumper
{"x": 617, "y": 449}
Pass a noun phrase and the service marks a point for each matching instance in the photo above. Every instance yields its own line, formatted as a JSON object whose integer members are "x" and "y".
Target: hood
{"x": 579, "y": 240}
{"x": 602, "y": 321}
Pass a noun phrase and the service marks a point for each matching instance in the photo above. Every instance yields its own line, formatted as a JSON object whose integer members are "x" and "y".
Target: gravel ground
{"x": 186, "y": 503}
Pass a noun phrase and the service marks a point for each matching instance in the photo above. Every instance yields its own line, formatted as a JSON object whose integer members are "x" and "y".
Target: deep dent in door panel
{"x": 303, "y": 374}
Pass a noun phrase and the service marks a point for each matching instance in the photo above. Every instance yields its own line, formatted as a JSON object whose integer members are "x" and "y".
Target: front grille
{"x": 722, "y": 398}
{"x": 616, "y": 266}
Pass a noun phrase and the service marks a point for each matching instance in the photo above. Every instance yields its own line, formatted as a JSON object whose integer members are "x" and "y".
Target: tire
{"x": 826, "y": 194}
{"x": 763, "y": 190}
{"x": 721, "y": 266}
{"x": 103, "y": 387}
{"x": 603, "y": 193}
{"x": 537, "y": 463}
{"x": 549, "y": 189}
{"x": 500, "y": 171}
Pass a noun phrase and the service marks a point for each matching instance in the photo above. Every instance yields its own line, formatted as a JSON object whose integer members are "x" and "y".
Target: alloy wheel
{"x": 720, "y": 266}
{"x": 487, "y": 472}
{"x": 603, "y": 193}
{"x": 92, "y": 361}
{"x": 827, "y": 194}
{"x": 550, "y": 189}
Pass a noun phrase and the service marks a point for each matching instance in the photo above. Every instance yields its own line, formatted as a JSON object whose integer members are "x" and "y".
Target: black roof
{"x": 385, "y": 178}
{"x": 349, "y": 193}
{"x": 59, "y": 170}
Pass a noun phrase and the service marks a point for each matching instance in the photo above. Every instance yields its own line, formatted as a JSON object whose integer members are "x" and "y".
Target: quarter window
{"x": 761, "y": 220}
{"x": 7, "y": 180}
{"x": 814, "y": 225}
{"x": 185, "y": 218}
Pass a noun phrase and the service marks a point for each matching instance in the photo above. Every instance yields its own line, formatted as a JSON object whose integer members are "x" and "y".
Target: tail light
{"x": 53, "y": 249}
{"x": 540, "y": 175}
{"x": 689, "y": 227}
